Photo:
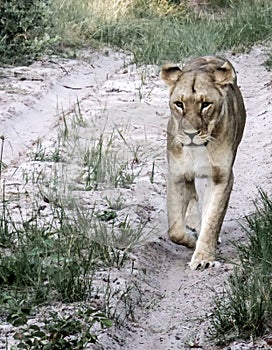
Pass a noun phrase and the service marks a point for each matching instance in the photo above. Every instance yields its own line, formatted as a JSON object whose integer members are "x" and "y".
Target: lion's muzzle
{"x": 193, "y": 139}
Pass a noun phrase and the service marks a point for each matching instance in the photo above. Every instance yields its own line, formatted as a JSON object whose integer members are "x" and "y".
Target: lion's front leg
{"x": 193, "y": 216}
{"x": 212, "y": 219}
{"x": 178, "y": 197}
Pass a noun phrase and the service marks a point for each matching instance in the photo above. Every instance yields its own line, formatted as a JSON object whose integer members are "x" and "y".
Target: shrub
{"x": 24, "y": 28}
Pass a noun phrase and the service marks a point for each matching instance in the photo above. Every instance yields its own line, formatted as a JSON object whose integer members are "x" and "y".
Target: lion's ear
{"x": 170, "y": 73}
{"x": 225, "y": 74}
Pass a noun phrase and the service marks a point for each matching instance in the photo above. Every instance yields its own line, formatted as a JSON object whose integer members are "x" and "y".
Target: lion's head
{"x": 197, "y": 97}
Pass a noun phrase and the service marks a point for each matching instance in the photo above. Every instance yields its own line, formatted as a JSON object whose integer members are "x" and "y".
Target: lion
{"x": 203, "y": 133}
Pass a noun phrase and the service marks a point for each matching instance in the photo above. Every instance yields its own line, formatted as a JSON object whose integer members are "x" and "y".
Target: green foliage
{"x": 60, "y": 261}
{"x": 24, "y": 30}
{"x": 245, "y": 309}
{"x": 157, "y": 30}
{"x": 40, "y": 266}
{"x": 153, "y": 30}
{"x": 171, "y": 39}
{"x": 54, "y": 250}
{"x": 268, "y": 62}
{"x": 17, "y": 307}
{"x": 63, "y": 332}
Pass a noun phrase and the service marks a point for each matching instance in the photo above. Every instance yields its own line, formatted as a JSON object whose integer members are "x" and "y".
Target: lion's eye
{"x": 179, "y": 104}
{"x": 205, "y": 104}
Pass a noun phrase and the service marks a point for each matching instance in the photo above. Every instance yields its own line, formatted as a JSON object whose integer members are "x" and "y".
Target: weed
{"x": 16, "y": 307}
{"x": 2, "y": 138}
{"x": 63, "y": 331}
{"x": 78, "y": 118}
{"x": 125, "y": 176}
{"x": 268, "y": 62}
{"x": 103, "y": 236}
{"x": 117, "y": 203}
{"x": 126, "y": 296}
{"x": 72, "y": 280}
{"x": 152, "y": 172}
{"x": 128, "y": 299}
{"x": 244, "y": 310}
{"x": 151, "y": 30}
{"x": 4, "y": 224}
{"x": 106, "y": 215}
{"x": 98, "y": 164}
{"x": 102, "y": 166}
{"x": 128, "y": 235}
{"x": 64, "y": 132}
{"x": 125, "y": 236}
{"x": 132, "y": 148}
{"x": 46, "y": 258}
{"x": 44, "y": 153}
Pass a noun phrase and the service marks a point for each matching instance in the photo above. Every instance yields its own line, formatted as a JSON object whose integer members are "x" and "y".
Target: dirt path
{"x": 33, "y": 98}
{"x": 177, "y": 300}
{"x": 179, "y": 318}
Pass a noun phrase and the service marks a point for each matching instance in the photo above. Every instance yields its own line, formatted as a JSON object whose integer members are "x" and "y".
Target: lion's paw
{"x": 188, "y": 239}
{"x": 203, "y": 264}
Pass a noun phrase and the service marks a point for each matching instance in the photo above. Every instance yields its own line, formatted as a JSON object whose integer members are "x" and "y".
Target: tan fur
{"x": 204, "y": 130}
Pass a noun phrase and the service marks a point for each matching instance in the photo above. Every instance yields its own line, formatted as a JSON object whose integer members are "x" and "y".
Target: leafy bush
{"x": 24, "y": 28}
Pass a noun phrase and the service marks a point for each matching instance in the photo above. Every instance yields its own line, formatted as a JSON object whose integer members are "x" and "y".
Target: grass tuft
{"x": 245, "y": 310}
{"x": 103, "y": 167}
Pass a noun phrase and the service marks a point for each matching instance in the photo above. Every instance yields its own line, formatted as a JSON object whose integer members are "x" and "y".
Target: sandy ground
{"x": 177, "y": 300}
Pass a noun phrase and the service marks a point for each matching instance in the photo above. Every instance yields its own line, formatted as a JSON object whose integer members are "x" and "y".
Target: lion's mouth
{"x": 195, "y": 138}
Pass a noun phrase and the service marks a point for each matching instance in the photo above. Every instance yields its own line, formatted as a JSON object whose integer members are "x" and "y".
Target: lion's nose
{"x": 191, "y": 134}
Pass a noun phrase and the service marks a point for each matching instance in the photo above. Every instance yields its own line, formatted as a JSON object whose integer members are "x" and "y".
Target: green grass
{"x": 102, "y": 166}
{"x": 155, "y": 32}
{"x": 53, "y": 248}
{"x": 245, "y": 309}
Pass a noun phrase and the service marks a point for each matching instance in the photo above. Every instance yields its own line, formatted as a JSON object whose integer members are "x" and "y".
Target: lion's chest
{"x": 192, "y": 162}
